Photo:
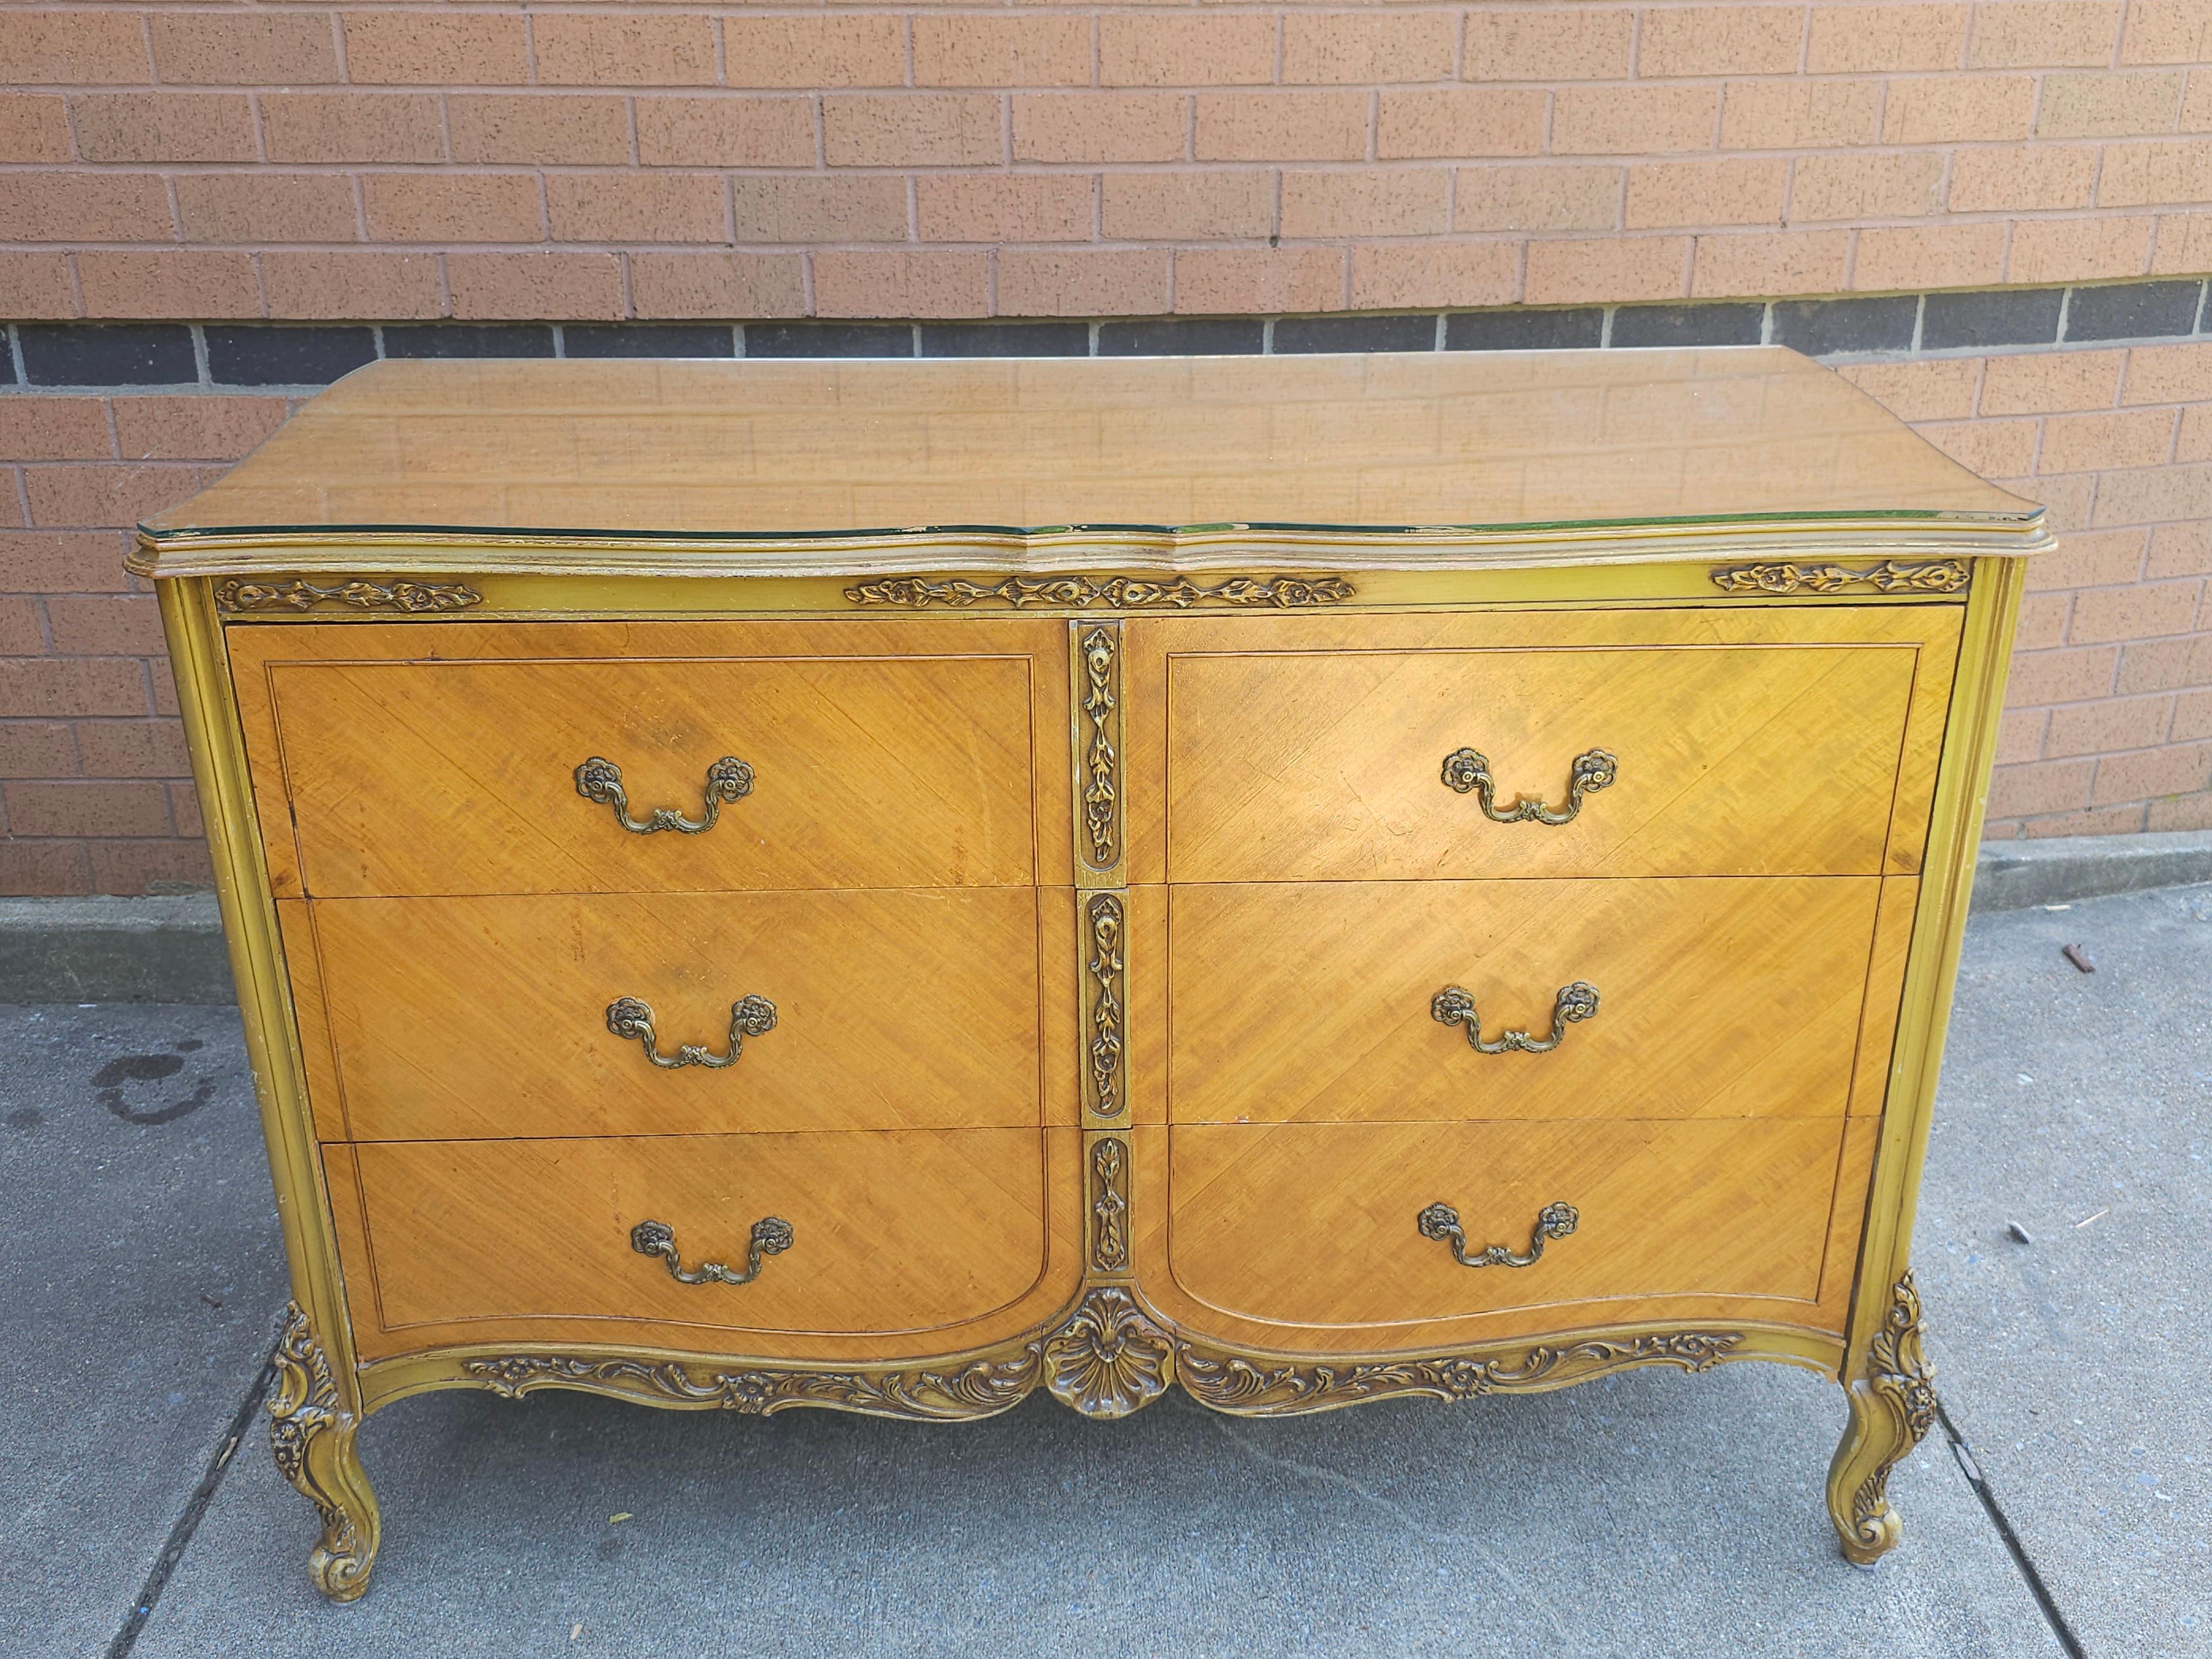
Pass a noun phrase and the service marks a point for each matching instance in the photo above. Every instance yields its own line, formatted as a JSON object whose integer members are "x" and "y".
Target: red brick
{"x": 625, "y": 50}
{"x": 2167, "y": 32}
{"x": 2043, "y": 677}
{"x": 140, "y": 867}
{"x": 267, "y": 207}
{"x": 901, "y": 284}
{"x": 1942, "y": 109}
{"x": 2084, "y": 443}
{"x": 718, "y": 285}
{"x": 1218, "y": 281}
{"x": 2193, "y": 716}
{"x": 1000, "y": 207}
{"x": 2010, "y": 178}
{"x": 2108, "y": 106}
{"x": 1186, "y": 206}
{"x": 48, "y": 561}
{"x": 1759, "y": 263}
{"x": 857, "y": 208}
{"x": 1100, "y": 127}
{"x": 1024, "y": 50}
{"x": 1633, "y": 120}
{"x": 1936, "y": 389}
{"x": 1411, "y": 275}
{"x": 157, "y": 126}
{"x": 1847, "y": 40}
{"x": 1707, "y": 40}
{"x": 44, "y": 868}
{"x": 2148, "y": 612}
{"x": 1538, "y": 198}
{"x": 86, "y": 809}
{"x": 2169, "y": 374}
{"x": 2194, "y": 442}
{"x": 1569, "y": 44}
{"x": 811, "y": 52}
{"x": 1457, "y": 122}
{"x": 437, "y": 47}
{"x": 2156, "y": 175}
{"x": 636, "y": 207}
{"x": 1665, "y": 194}
{"x": 547, "y": 129}
{"x": 21, "y": 636}
{"x": 2042, "y": 624}
{"x": 243, "y": 48}
{"x": 1800, "y": 115}
{"x": 1993, "y": 448}
{"x": 72, "y": 48}
{"x": 1903, "y": 184}
{"x": 2109, "y": 821}
{"x": 2098, "y": 728}
{"x": 36, "y": 286}
{"x": 2166, "y": 665}
{"x": 2089, "y": 559}
{"x": 2019, "y": 735}
{"x": 2178, "y": 769}
{"x": 1106, "y": 283}
{"x": 454, "y": 207}
{"x": 1161, "y": 49}
{"x": 221, "y": 427}
{"x": 2078, "y": 250}
{"x": 1366, "y": 201}
{"x": 172, "y": 283}
{"x": 185, "y": 809}
{"x": 390, "y": 287}
{"x": 43, "y": 428}
{"x": 69, "y": 687}
{"x": 352, "y": 126}
{"x": 2046, "y": 786}
{"x": 2180, "y": 549}
{"x": 85, "y": 207}
{"x": 1349, "y": 48}
{"x": 133, "y": 748}
{"x": 2151, "y": 494}
{"x": 558, "y": 287}
{"x": 104, "y": 624}
{"x": 2044, "y": 34}
{"x": 725, "y": 131}
{"x": 36, "y": 749}
{"x": 94, "y": 495}
{"x": 1587, "y": 272}
{"x": 1281, "y": 126}
{"x": 2049, "y": 382}
{"x": 912, "y": 129}
{"x": 2180, "y": 812}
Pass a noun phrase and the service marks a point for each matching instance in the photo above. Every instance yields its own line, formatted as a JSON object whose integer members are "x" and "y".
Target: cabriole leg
{"x": 1891, "y": 1407}
{"x": 312, "y": 1438}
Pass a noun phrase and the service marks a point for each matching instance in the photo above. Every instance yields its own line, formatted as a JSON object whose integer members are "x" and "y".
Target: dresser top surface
{"x": 1416, "y": 443}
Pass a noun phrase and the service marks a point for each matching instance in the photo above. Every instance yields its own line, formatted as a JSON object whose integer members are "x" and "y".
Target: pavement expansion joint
{"x": 1962, "y": 1454}
{"x": 188, "y": 1519}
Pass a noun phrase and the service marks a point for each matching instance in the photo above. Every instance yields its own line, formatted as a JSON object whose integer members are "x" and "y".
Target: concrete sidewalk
{"x": 1651, "y": 1513}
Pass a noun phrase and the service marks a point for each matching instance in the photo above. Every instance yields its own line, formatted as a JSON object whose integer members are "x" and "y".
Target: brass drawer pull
{"x": 729, "y": 779}
{"x": 1465, "y": 769}
{"x": 1453, "y": 1007}
{"x": 772, "y": 1235}
{"x": 749, "y": 1017}
{"x": 1441, "y": 1221}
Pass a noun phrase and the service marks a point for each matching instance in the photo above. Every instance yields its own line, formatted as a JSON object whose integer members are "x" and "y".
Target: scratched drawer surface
{"x": 834, "y": 1234}
{"x": 1681, "y": 743}
{"x": 697, "y": 1013}
{"x": 1374, "y": 1001}
{"x": 653, "y": 756}
{"x": 1333, "y": 1225}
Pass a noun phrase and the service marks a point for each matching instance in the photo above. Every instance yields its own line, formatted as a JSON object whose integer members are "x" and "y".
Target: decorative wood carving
{"x": 1114, "y": 593}
{"x": 977, "y": 1389}
{"x": 1102, "y": 760}
{"x": 1903, "y": 1384}
{"x": 1110, "y": 1204}
{"x": 1934, "y": 576}
{"x": 1108, "y": 1359}
{"x": 311, "y": 1437}
{"x": 1107, "y": 993}
{"x": 414, "y": 598}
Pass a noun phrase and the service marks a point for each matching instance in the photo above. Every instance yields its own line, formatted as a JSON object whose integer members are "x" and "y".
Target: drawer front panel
{"x": 414, "y": 775}
{"x": 888, "y": 1234}
{"x": 1316, "y": 1225}
{"x": 1310, "y": 756}
{"x": 450, "y": 1018}
{"x": 1714, "y": 998}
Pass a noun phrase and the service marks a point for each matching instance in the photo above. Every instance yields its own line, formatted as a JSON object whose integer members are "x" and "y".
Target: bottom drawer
{"x": 885, "y": 1236}
{"x": 1318, "y": 1225}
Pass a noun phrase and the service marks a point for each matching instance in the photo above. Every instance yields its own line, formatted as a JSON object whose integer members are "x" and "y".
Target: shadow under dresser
{"x": 889, "y": 886}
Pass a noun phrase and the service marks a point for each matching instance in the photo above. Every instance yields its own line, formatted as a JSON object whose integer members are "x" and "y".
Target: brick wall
{"x": 1993, "y": 215}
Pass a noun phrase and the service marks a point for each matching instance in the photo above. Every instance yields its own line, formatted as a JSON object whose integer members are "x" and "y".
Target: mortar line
{"x": 1963, "y": 1456}
{"x": 188, "y": 1520}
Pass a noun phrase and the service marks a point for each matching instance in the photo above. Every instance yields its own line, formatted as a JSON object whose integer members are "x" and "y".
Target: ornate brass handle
{"x": 771, "y": 1236}
{"x": 749, "y": 1017}
{"x": 1441, "y": 1221}
{"x": 1465, "y": 769}
{"x": 1453, "y": 1007}
{"x": 729, "y": 779}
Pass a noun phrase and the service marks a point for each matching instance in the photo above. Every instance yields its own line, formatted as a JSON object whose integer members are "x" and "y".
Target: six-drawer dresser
{"x": 889, "y": 885}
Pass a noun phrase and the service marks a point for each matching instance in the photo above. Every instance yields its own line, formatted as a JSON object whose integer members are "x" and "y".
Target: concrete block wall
{"x": 1995, "y": 216}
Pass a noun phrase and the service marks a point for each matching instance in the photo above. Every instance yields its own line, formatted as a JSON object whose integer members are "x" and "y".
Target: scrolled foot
{"x": 310, "y": 1437}
{"x": 1891, "y": 1410}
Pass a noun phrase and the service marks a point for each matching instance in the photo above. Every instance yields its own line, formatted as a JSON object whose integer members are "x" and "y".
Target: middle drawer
{"x": 456, "y": 1018}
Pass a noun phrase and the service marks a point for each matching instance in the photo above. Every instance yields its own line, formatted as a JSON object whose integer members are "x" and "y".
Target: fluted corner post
{"x": 1893, "y": 1405}
{"x": 311, "y": 1436}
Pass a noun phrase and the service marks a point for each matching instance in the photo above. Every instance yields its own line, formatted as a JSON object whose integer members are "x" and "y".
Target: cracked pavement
{"x": 1649, "y": 1512}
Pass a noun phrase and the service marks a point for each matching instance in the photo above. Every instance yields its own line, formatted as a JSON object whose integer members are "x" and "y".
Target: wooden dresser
{"x": 889, "y": 886}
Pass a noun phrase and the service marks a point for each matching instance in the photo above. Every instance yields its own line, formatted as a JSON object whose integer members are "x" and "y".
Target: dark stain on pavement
{"x": 29, "y": 1118}
{"x": 110, "y": 1079}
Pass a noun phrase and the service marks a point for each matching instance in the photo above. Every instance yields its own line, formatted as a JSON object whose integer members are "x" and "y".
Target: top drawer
{"x": 1796, "y": 741}
{"x": 443, "y": 757}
